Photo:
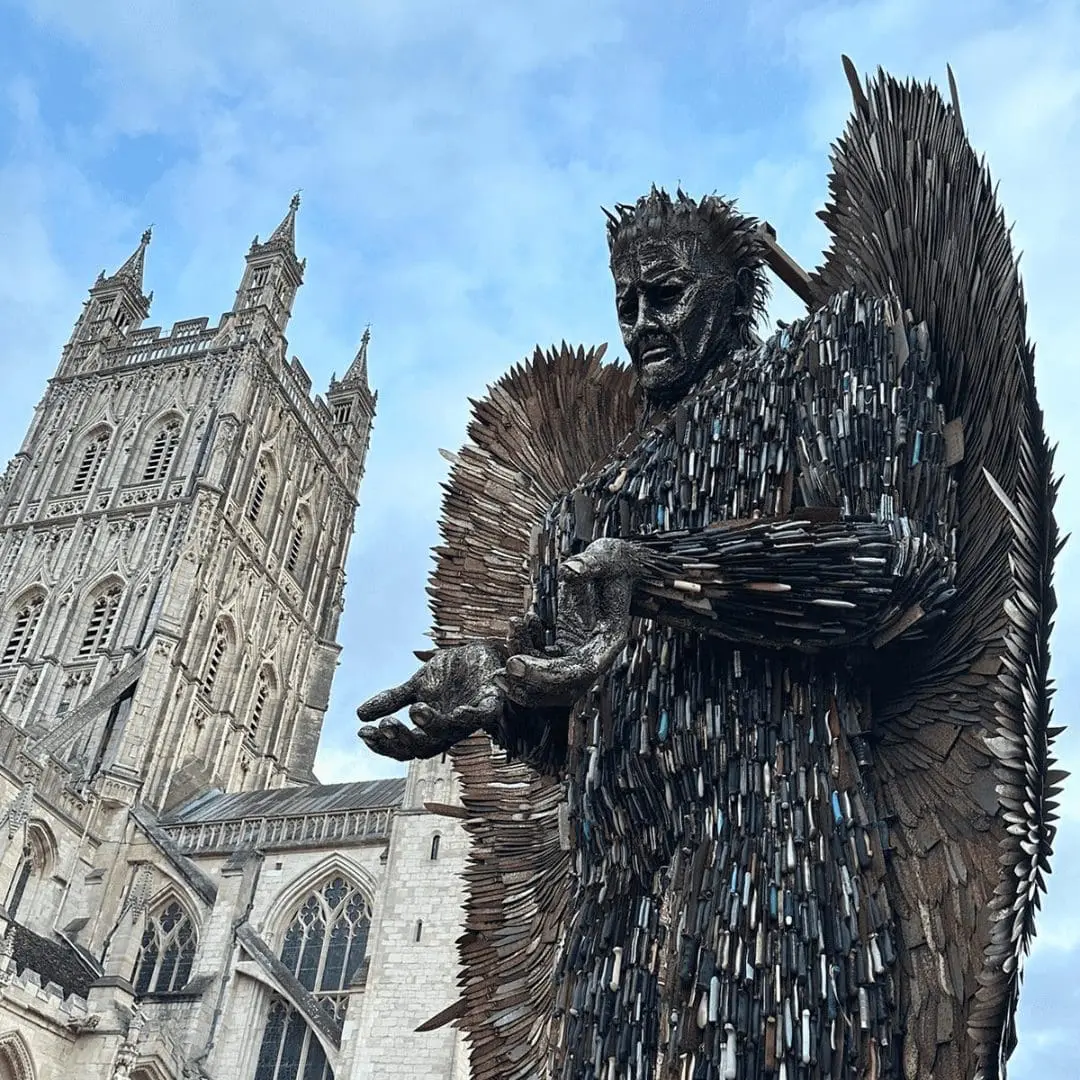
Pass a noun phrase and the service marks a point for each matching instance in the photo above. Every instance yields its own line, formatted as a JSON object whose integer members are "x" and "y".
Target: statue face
{"x": 675, "y": 308}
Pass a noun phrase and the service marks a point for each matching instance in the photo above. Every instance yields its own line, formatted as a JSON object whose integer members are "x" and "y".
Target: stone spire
{"x": 357, "y": 372}
{"x": 132, "y": 270}
{"x": 285, "y": 233}
{"x": 129, "y": 278}
{"x": 273, "y": 272}
{"x": 117, "y": 305}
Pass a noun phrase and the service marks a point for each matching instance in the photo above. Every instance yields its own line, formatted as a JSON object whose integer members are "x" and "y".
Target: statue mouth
{"x": 652, "y": 350}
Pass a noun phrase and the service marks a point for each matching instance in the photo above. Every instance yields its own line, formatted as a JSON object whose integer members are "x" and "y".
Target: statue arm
{"x": 798, "y": 583}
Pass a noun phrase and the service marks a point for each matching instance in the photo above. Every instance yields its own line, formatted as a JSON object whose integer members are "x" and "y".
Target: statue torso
{"x": 724, "y": 832}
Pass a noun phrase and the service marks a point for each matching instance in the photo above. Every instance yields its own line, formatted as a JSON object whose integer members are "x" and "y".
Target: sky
{"x": 453, "y": 160}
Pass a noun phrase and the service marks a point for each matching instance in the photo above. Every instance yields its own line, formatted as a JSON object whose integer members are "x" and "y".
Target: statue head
{"x": 689, "y": 285}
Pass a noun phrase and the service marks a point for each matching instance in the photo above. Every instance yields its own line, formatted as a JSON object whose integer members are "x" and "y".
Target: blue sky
{"x": 453, "y": 160}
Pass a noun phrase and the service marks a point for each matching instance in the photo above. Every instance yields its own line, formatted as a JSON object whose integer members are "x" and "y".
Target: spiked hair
{"x": 713, "y": 221}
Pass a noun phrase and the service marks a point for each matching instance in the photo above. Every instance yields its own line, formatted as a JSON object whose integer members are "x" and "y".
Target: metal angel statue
{"x": 759, "y": 634}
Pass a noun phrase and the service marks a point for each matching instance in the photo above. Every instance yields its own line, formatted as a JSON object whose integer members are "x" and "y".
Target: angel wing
{"x": 541, "y": 428}
{"x": 965, "y": 747}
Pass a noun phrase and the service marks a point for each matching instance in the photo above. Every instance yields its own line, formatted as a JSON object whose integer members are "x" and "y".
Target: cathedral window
{"x": 342, "y": 412}
{"x": 259, "y": 276}
{"x": 167, "y": 952}
{"x": 90, "y": 464}
{"x": 161, "y": 452}
{"x": 258, "y": 494}
{"x": 22, "y": 633}
{"x": 296, "y": 544}
{"x": 324, "y": 948}
{"x": 36, "y": 860}
{"x": 264, "y": 685}
{"x": 214, "y": 661}
{"x": 435, "y": 846}
{"x": 102, "y": 618}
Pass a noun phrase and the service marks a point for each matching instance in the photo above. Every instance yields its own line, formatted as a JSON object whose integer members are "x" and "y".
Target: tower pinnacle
{"x": 285, "y": 233}
{"x": 273, "y": 272}
{"x": 358, "y": 368}
{"x": 131, "y": 272}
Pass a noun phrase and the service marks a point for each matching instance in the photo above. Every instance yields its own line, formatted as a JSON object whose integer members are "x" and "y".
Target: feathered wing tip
{"x": 539, "y": 428}
{"x": 964, "y": 751}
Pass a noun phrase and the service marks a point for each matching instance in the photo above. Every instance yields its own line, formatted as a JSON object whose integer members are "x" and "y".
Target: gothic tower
{"x": 173, "y": 535}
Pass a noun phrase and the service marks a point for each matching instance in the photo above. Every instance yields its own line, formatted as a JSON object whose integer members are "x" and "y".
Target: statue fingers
{"x": 391, "y": 738}
{"x": 483, "y": 715}
{"x": 434, "y": 724}
{"x": 533, "y": 680}
{"x": 387, "y": 702}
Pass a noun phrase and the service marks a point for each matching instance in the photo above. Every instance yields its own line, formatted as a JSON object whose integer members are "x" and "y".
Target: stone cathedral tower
{"x": 160, "y": 527}
{"x": 181, "y": 898}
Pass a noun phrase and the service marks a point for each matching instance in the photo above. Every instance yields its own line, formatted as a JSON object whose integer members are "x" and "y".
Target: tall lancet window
{"x": 219, "y": 648}
{"x": 167, "y": 952}
{"x": 259, "y": 490}
{"x": 296, "y": 544}
{"x": 99, "y": 627}
{"x": 27, "y": 617}
{"x": 264, "y": 688}
{"x": 324, "y": 948}
{"x": 90, "y": 463}
{"x": 297, "y": 553}
{"x": 36, "y": 863}
{"x": 162, "y": 451}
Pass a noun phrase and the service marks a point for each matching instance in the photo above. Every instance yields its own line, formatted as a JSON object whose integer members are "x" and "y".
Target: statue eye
{"x": 626, "y": 307}
{"x": 666, "y": 296}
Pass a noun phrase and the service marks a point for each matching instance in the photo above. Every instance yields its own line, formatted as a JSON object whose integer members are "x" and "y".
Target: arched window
{"x": 162, "y": 451}
{"x": 324, "y": 948}
{"x": 16, "y": 1061}
{"x": 435, "y": 846}
{"x": 167, "y": 952}
{"x": 27, "y": 618}
{"x": 102, "y": 618}
{"x": 264, "y": 688}
{"x": 296, "y": 546}
{"x": 258, "y": 492}
{"x": 90, "y": 463}
{"x": 218, "y": 649}
{"x": 35, "y": 865}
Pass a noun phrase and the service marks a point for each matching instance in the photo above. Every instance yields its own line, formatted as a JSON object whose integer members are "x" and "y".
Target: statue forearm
{"x": 798, "y": 583}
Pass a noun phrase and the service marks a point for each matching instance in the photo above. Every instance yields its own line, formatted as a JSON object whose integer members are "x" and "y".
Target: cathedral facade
{"x": 181, "y": 898}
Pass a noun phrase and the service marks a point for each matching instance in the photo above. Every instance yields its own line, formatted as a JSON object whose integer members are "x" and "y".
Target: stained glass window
{"x": 324, "y": 948}
{"x": 167, "y": 952}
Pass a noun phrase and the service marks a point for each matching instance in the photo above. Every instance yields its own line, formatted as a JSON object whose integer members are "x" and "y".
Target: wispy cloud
{"x": 453, "y": 168}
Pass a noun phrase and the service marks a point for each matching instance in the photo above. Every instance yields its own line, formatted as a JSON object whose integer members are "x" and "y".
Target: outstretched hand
{"x": 461, "y": 690}
{"x": 595, "y": 592}
{"x": 448, "y": 699}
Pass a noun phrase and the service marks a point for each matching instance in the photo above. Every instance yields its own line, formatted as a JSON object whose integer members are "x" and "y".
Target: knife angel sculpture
{"x": 772, "y": 792}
